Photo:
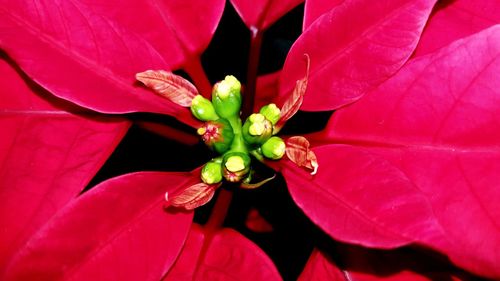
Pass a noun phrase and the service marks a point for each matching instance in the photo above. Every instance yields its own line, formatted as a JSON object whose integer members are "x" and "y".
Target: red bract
{"x": 115, "y": 231}
{"x": 223, "y": 255}
{"x": 45, "y": 159}
{"x": 414, "y": 162}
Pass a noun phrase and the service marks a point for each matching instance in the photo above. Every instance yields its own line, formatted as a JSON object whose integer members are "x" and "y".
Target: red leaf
{"x": 193, "y": 197}
{"x": 118, "y": 230}
{"x": 457, "y": 19}
{"x": 267, "y": 89}
{"x": 357, "y": 198}
{"x": 436, "y": 123}
{"x": 223, "y": 255}
{"x": 321, "y": 268}
{"x": 47, "y": 156}
{"x": 256, "y": 223}
{"x": 88, "y": 52}
{"x": 261, "y": 14}
{"x": 298, "y": 151}
{"x": 354, "y": 48}
{"x": 359, "y": 264}
{"x": 316, "y": 8}
{"x": 173, "y": 87}
{"x": 294, "y": 101}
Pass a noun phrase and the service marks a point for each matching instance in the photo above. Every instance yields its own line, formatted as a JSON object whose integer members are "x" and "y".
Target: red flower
{"x": 409, "y": 157}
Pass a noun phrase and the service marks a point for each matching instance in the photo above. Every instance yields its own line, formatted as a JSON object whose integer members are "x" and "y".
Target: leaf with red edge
{"x": 353, "y": 49}
{"x": 261, "y": 14}
{"x": 294, "y": 101}
{"x": 361, "y": 264}
{"x": 49, "y": 151}
{"x": 221, "y": 255}
{"x": 299, "y": 152}
{"x": 453, "y": 20}
{"x": 316, "y": 8}
{"x": 88, "y": 52}
{"x": 173, "y": 87}
{"x": 119, "y": 230}
{"x": 435, "y": 124}
{"x": 193, "y": 197}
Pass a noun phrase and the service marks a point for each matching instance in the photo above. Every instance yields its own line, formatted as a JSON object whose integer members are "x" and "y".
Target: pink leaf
{"x": 193, "y": 197}
{"x": 354, "y": 48}
{"x": 436, "y": 122}
{"x": 88, "y": 52}
{"x": 118, "y": 230}
{"x": 316, "y": 8}
{"x": 223, "y": 255}
{"x": 173, "y": 87}
{"x": 294, "y": 101}
{"x": 261, "y": 14}
{"x": 49, "y": 152}
{"x": 457, "y": 19}
{"x": 298, "y": 151}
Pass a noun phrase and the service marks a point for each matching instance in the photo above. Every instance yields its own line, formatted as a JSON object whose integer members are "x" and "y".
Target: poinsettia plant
{"x": 397, "y": 179}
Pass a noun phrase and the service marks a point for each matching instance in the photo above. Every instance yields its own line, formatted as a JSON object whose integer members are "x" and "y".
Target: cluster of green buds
{"x": 224, "y": 133}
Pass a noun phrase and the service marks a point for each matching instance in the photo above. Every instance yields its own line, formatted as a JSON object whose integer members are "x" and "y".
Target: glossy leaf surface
{"x": 457, "y": 19}
{"x": 223, "y": 255}
{"x": 261, "y": 14}
{"x": 354, "y": 48}
{"x": 119, "y": 230}
{"x": 316, "y": 8}
{"x": 89, "y": 51}
{"x": 49, "y": 151}
{"x": 435, "y": 123}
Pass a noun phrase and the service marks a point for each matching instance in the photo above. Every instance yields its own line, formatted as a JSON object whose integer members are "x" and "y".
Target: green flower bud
{"x": 203, "y": 109}
{"x": 271, "y": 112}
{"x": 218, "y": 135}
{"x": 226, "y": 97}
{"x": 274, "y": 148}
{"x": 235, "y": 166}
{"x": 212, "y": 172}
{"x": 257, "y": 129}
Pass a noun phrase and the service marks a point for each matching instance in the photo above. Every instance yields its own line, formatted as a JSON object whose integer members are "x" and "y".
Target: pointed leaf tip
{"x": 173, "y": 87}
{"x": 299, "y": 152}
{"x": 193, "y": 197}
{"x": 294, "y": 101}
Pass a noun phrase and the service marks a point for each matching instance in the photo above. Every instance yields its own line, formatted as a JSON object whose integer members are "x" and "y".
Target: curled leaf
{"x": 298, "y": 151}
{"x": 173, "y": 87}
{"x": 294, "y": 101}
{"x": 193, "y": 197}
{"x": 257, "y": 184}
